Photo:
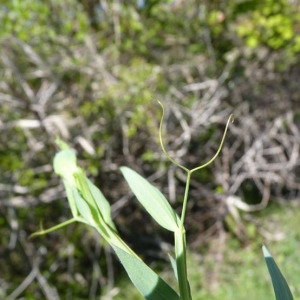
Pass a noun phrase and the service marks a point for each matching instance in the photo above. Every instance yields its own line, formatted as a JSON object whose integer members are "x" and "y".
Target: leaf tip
{"x": 266, "y": 251}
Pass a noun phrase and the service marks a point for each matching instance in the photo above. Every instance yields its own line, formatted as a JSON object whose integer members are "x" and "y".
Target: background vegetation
{"x": 89, "y": 71}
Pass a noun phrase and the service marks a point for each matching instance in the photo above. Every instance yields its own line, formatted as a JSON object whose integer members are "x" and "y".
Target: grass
{"x": 243, "y": 273}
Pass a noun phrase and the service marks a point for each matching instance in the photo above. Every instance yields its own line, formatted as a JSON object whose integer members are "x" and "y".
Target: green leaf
{"x": 152, "y": 200}
{"x": 149, "y": 284}
{"x": 85, "y": 195}
{"x": 174, "y": 266}
{"x": 101, "y": 202}
{"x": 87, "y": 212}
{"x": 281, "y": 288}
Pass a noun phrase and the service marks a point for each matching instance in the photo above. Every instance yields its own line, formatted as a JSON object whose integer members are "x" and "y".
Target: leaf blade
{"x": 152, "y": 199}
{"x": 149, "y": 284}
{"x": 280, "y": 286}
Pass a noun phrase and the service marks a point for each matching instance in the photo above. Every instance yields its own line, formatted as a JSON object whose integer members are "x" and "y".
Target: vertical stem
{"x": 185, "y": 199}
{"x": 180, "y": 250}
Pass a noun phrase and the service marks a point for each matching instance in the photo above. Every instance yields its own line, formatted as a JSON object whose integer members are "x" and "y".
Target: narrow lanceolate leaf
{"x": 152, "y": 199}
{"x": 149, "y": 284}
{"x": 86, "y": 211}
{"x": 281, "y": 288}
{"x": 86, "y": 196}
{"x": 102, "y": 203}
{"x": 174, "y": 266}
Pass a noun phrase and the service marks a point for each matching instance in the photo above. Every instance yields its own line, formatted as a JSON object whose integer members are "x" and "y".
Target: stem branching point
{"x": 189, "y": 171}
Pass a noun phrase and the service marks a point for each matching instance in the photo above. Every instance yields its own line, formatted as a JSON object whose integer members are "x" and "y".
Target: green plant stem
{"x": 180, "y": 250}
{"x": 54, "y": 228}
{"x": 185, "y": 199}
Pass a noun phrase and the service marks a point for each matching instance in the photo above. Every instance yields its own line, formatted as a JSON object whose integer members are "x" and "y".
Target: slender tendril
{"x": 185, "y": 199}
{"x": 189, "y": 171}
{"x": 230, "y": 119}
{"x": 161, "y": 140}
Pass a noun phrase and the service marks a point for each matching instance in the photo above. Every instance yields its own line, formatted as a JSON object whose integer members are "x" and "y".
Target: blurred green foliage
{"x": 38, "y": 21}
{"x": 274, "y": 24}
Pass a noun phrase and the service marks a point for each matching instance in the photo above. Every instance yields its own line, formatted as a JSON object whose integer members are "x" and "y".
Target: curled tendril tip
{"x": 230, "y": 119}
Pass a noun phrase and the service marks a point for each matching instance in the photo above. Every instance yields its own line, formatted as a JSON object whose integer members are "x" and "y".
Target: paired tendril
{"x": 189, "y": 171}
{"x": 230, "y": 119}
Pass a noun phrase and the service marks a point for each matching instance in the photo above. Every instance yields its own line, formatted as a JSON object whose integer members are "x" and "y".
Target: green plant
{"x": 269, "y": 23}
{"x": 43, "y": 20}
{"x": 281, "y": 288}
{"x": 89, "y": 206}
